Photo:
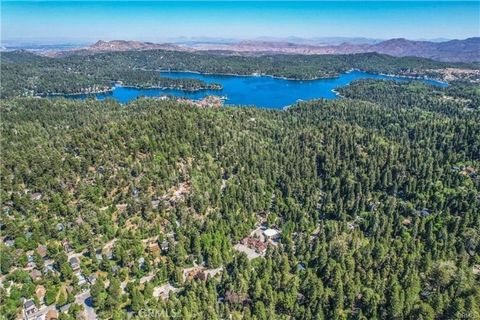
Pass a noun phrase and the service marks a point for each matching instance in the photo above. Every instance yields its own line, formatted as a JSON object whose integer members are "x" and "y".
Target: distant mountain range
{"x": 467, "y": 50}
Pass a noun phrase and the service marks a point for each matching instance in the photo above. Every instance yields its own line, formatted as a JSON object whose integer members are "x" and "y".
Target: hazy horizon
{"x": 163, "y": 21}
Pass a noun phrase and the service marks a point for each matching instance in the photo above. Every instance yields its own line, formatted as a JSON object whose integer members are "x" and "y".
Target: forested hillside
{"x": 377, "y": 197}
{"x": 26, "y": 74}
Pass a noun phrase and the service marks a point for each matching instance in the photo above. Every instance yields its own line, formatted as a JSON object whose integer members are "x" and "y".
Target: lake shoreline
{"x": 309, "y": 79}
{"x": 248, "y": 75}
{"x": 56, "y": 94}
{"x": 264, "y": 91}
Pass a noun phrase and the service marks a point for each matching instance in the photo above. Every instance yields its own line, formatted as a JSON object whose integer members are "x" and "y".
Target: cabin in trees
{"x": 164, "y": 246}
{"x": 42, "y": 251}
{"x": 196, "y": 273}
{"x": 35, "y": 275}
{"x": 66, "y": 246}
{"x": 75, "y": 264}
{"x": 236, "y": 298}
{"x": 255, "y": 244}
{"x": 36, "y": 196}
{"x": 92, "y": 278}
{"x": 163, "y": 292}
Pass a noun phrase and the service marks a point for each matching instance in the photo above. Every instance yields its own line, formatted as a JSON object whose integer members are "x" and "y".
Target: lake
{"x": 259, "y": 91}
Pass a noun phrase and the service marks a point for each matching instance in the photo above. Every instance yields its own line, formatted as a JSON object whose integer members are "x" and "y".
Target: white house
{"x": 271, "y": 234}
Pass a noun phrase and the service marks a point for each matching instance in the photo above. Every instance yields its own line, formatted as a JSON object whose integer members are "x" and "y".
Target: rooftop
{"x": 271, "y": 232}
{"x": 29, "y": 304}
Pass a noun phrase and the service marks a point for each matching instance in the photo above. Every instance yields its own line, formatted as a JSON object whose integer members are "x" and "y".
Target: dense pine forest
{"x": 28, "y": 74}
{"x": 376, "y": 196}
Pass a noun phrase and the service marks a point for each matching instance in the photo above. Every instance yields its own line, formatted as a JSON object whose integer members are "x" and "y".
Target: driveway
{"x": 85, "y": 300}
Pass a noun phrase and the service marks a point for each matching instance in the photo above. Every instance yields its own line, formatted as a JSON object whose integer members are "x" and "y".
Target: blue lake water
{"x": 259, "y": 91}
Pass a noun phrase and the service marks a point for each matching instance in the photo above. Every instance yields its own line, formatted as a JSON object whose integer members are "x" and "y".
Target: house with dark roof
{"x": 29, "y": 309}
{"x": 74, "y": 263}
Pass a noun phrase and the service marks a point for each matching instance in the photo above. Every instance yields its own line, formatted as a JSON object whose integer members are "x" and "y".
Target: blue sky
{"x": 59, "y": 21}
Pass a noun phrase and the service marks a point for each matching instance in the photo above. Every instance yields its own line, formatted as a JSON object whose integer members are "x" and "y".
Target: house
{"x": 196, "y": 273}
{"x": 121, "y": 207}
{"x": 79, "y": 221}
{"x": 29, "y": 309}
{"x": 164, "y": 246}
{"x": 300, "y": 297}
{"x": 40, "y": 293}
{"x": 154, "y": 248}
{"x": 407, "y": 221}
{"x": 155, "y": 203}
{"x": 202, "y": 275}
{"x": 135, "y": 192}
{"x": 235, "y": 298}
{"x": 164, "y": 291}
{"x": 271, "y": 234}
{"x": 301, "y": 267}
{"x": 476, "y": 269}
{"x": 469, "y": 170}
{"x": 51, "y": 315}
{"x": 42, "y": 251}
{"x": 424, "y": 212}
{"x": 92, "y": 278}
{"x": 36, "y": 196}
{"x": 108, "y": 251}
{"x": 49, "y": 268}
{"x": 35, "y": 275}
{"x": 74, "y": 263}
{"x": 255, "y": 244}
{"x": 101, "y": 170}
{"x": 9, "y": 242}
{"x": 65, "y": 307}
{"x": 81, "y": 278}
{"x": 67, "y": 247}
